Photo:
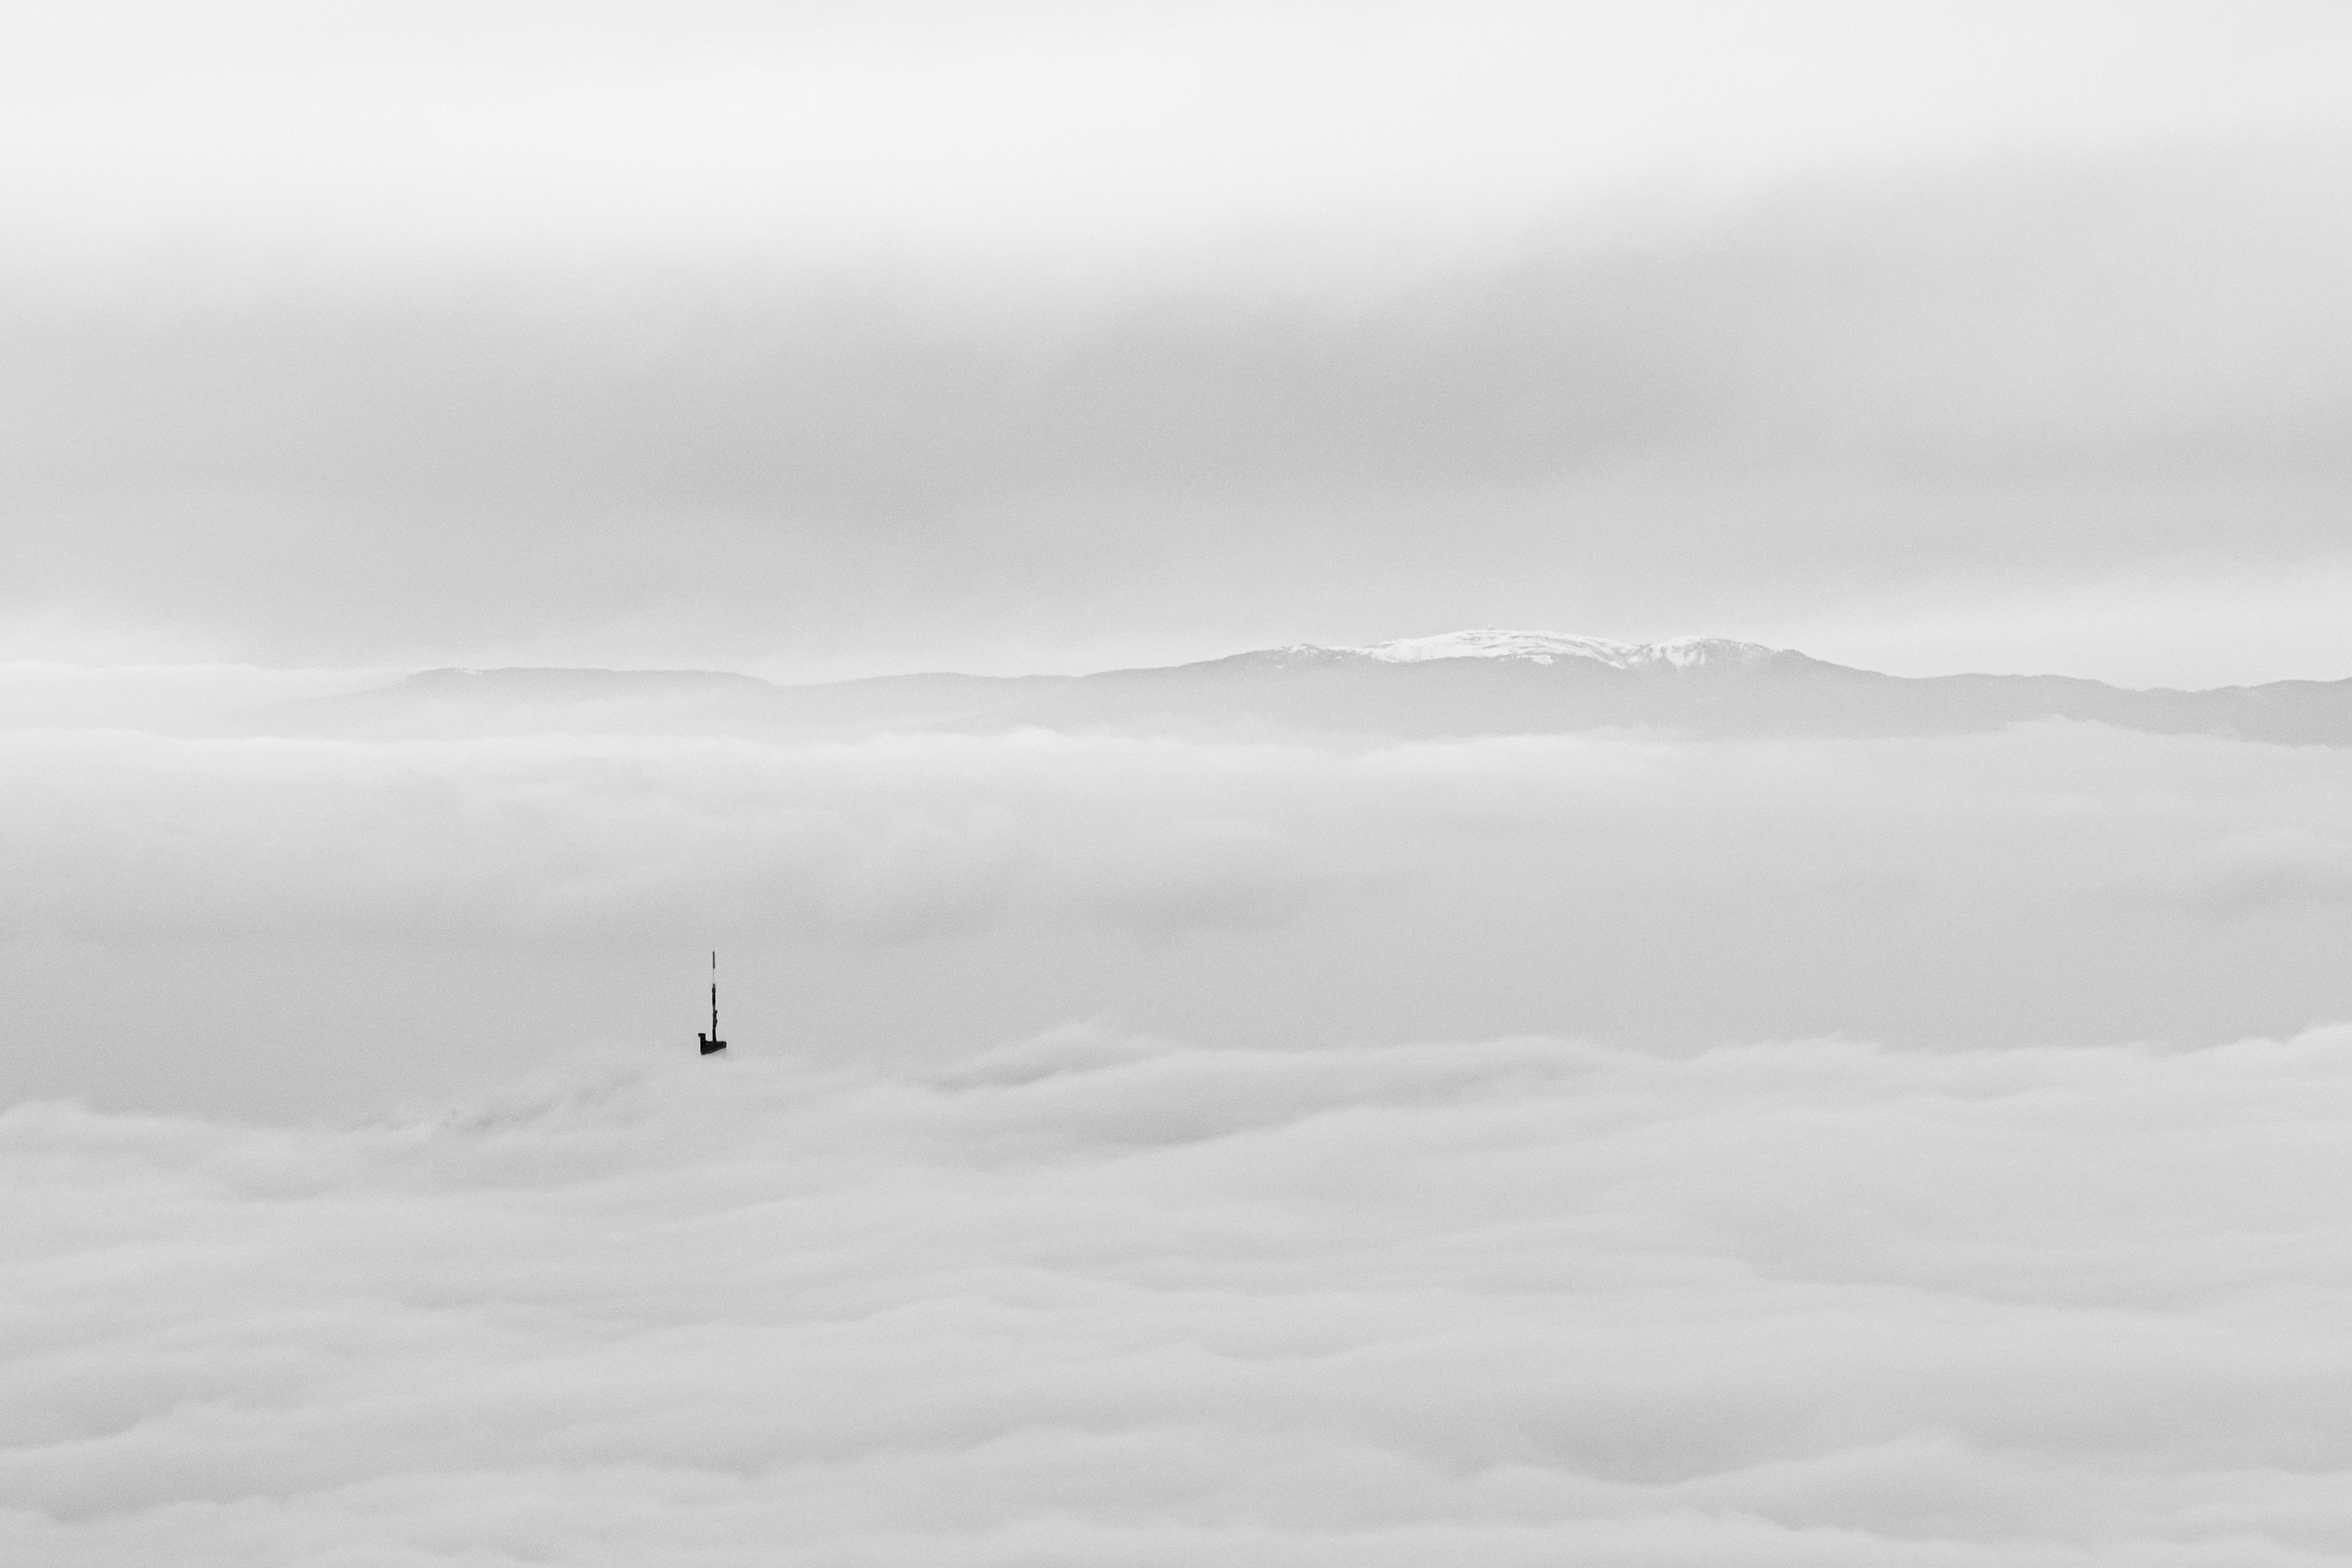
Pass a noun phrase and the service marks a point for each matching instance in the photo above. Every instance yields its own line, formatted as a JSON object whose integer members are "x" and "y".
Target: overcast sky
{"x": 834, "y": 339}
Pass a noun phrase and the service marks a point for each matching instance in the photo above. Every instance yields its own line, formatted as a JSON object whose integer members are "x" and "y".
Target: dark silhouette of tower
{"x": 711, "y": 1042}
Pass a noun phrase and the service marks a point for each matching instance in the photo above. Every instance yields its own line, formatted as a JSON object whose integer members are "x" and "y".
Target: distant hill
{"x": 1461, "y": 683}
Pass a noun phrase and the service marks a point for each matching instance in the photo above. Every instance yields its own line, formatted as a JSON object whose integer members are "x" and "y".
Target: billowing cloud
{"x": 268, "y": 925}
{"x": 1106, "y": 1300}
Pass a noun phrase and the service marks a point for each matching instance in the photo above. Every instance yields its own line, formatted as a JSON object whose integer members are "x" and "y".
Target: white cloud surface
{"x": 1099, "y": 1299}
{"x": 274, "y": 927}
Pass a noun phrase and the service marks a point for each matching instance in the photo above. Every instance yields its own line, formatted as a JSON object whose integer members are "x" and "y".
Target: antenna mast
{"x": 711, "y": 1042}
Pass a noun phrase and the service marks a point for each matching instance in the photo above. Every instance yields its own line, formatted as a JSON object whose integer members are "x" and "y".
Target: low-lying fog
{"x": 1096, "y": 1299}
{"x": 1618, "y": 1148}
{"x": 270, "y": 927}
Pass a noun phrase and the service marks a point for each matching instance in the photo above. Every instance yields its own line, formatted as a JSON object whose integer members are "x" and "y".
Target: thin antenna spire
{"x": 711, "y": 1042}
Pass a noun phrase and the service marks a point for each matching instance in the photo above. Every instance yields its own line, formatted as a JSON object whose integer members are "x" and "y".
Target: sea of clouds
{"x": 1091, "y": 1299}
{"x": 271, "y": 926}
{"x": 1618, "y": 1148}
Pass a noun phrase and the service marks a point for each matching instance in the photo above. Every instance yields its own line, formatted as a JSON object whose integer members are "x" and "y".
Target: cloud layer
{"x": 1096, "y": 1299}
{"x": 272, "y": 927}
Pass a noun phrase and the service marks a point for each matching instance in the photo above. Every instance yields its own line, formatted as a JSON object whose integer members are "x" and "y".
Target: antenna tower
{"x": 711, "y": 1042}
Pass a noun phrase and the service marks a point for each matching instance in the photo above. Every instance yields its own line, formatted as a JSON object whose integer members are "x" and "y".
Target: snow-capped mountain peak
{"x": 1537, "y": 647}
{"x": 1684, "y": 653}
{"x": 1551, "y": 647}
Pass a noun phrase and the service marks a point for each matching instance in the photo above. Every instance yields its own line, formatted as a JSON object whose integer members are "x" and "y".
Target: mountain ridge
{"x": 1486, "y": 680}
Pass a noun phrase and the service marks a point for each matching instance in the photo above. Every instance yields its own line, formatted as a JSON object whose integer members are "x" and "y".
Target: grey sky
{"x": 828, "y": 341}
